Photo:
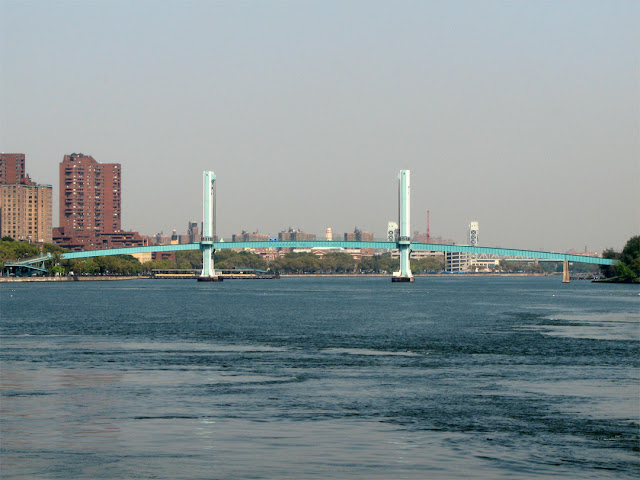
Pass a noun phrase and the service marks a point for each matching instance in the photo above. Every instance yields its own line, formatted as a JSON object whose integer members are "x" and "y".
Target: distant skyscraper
{"x": 90, "y": 199}
{"x": 295, "y": 235}
{"x": 192, "y": 231}
{"x": 25, "y": 207}
{"x": 329, "y": 234}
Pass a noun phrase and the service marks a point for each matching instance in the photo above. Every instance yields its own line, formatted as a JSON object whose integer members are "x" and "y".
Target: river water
{"x": 320, "y": 378}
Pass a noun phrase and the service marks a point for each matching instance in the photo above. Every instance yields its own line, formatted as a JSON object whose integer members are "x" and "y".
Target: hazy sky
{"x": 524, "y": 116}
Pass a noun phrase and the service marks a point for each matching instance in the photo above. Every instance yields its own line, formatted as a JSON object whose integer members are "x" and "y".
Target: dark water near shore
{"x": 320, "y": 378}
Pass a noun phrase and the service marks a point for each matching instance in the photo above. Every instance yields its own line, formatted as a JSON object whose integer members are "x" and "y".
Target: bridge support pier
{"x": 566, "y": 276}
{"x": 208, "y": 230}
{"x": 404, "y": 242}
{"x": 404, "y": 275}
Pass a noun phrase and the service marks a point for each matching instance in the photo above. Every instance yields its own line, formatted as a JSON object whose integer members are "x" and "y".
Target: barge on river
{"x": 237, "y": 273}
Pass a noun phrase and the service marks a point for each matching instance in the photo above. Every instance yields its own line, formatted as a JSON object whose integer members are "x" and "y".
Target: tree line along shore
{"x": 626, "y": 270}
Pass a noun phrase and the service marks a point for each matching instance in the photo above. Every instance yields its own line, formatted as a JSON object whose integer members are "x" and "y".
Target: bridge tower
{"x": 208, "y": 229}
{"x": 404, "y": 214}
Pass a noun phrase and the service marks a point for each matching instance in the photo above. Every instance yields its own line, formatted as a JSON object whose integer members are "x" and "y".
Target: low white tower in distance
{"x": 472, "y": 239}
{"x": 472, "y": 235}
{"x": 392, "y": 232}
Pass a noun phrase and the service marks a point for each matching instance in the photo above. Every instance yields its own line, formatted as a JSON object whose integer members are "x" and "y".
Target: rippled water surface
{"x": 320, "y": 378}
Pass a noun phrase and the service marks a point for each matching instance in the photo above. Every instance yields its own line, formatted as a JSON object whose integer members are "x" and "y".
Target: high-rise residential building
{"x": 25, "y": 212}
{"x": 89, "y": 195}
{"x": 249, "y": 237}
{"x": 350, "y": 237}
{"x": 358, "y": 236}
{"x": 25, "y": 207}
{"x": 12, "y": 169}
{"x": 295, "y": 235}
{"x": 90, "y": 205}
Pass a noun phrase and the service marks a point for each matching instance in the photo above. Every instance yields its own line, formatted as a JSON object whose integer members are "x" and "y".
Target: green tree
{"x": 510, "y": 267}
{"x": 147, "y": 267}
{"x": 189, "y": 259}
{"x": 57, "y": 270}
{"x": 427, "y": 264}
{"x": 10, "y": 250}
{"x": 298, "y": 262}
{"x": 111, "y": 265}
{"x": 232, "y": 259}
{"x": 56, "y": 257}
{"x": 609, "y": 270}
{"x": 338, "y": 262}
{"x": 368, "y": 264}
{"x": 628, "y": 268}
{"x": 551, "y": 267}
{"x": 88, "y": 266}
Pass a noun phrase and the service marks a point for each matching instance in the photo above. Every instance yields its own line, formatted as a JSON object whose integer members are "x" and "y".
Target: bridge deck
{"x": 508, "y": 252}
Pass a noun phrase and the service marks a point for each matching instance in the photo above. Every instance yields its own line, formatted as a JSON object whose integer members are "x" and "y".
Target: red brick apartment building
{"x": 90, "y": 205}
{"x": 12, "y": 171}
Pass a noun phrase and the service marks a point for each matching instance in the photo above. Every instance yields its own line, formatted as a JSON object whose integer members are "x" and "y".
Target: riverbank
{"x": 635, "y": 281}
{"x": 76, "y": 278}
{"x": 98, "y": 278}
{"x": 419, "y": 275}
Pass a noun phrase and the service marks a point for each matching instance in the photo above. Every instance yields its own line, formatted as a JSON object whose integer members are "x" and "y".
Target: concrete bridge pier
{"x": 208, "y": 230}
{"x": 566, "y": 276}
{"x": 404, "y": 275}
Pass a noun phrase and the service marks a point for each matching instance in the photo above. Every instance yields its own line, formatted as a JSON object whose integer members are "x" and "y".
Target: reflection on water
{"x": 602, "y": 326}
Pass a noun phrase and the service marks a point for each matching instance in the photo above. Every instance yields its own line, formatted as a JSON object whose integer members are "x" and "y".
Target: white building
{"x": 456, "y": 261}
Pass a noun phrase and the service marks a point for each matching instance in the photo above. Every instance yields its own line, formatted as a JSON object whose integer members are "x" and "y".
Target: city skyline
{"x": 417, "y": 234}
{"x": 521, "y": 117}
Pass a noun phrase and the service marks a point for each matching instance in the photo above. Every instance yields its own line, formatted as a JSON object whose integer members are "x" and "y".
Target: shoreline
{"x": 87, "y": 278}
{"x": 419, "y": 275}
{"x": 107, "y": 278}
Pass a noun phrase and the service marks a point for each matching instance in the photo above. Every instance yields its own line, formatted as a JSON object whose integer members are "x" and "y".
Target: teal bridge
{"x": 35, "y": 265}
{"x": 414, "y": 246}
{"x": 402, "y": 242}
